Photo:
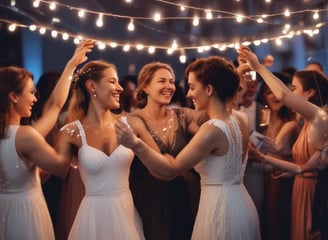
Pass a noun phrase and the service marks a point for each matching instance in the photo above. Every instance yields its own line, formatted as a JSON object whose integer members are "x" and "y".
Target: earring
{"x": 94, "y": 94}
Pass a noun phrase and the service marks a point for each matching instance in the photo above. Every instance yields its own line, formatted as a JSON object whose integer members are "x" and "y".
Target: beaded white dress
{"x": 107, "y": 210}
{"x": 226, "y": 210}
{"x": 23, "y": 209}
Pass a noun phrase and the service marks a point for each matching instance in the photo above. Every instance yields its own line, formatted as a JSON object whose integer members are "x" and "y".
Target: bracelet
{"x": 299, "y": 170}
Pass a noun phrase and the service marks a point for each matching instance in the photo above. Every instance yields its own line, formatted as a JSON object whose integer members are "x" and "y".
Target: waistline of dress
{"x": 20, "y": 192}
{"x": 220, "y": 184}
{"x": 115, "y": 193}
{"x": 308, "y": 175}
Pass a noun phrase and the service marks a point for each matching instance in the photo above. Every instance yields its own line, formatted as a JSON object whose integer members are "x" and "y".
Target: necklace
{"x": 162, "y": 129}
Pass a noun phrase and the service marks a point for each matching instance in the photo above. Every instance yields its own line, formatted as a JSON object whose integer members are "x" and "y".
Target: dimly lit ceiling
{"x": 175, "y": 24}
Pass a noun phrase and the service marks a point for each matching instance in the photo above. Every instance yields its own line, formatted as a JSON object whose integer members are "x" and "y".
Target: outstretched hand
{"x": 80, "y": 53}
{"x": 247, "y": 58}
{"x": 125, "y": 134}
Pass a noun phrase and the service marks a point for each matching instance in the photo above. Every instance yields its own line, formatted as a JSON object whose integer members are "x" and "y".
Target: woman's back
{"x": 226, "y": 210}
{"x": 21, "y": 198}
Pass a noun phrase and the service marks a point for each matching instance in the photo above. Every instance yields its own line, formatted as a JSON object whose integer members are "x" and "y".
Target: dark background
{"x": 39, "y": 53}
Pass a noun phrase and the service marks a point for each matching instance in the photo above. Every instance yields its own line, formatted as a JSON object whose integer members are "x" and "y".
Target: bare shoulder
{"x": 69, "y": 132}
{"x": 211, "y": 132}
{"x": 27, "y": 139}
{"x": 26, "y": 134}
{"x": 136, "y": 123}
{"x": 211, "y": 139}
{"x": 240, "y": 116}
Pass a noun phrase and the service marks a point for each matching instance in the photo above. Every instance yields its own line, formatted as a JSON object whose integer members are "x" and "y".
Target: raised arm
{"x": 279, "y": 89}
{"x": 59, "y": 95}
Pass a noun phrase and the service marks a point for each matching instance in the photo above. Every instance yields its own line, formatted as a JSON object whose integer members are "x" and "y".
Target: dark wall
{"x": 10, "y": 47}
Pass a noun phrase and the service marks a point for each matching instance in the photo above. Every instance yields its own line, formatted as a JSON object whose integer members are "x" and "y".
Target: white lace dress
{"x": 226, "y": 211}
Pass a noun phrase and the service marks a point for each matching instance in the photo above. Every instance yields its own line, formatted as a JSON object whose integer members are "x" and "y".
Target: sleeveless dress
{"x": 303, "y": 189}
{"x": 226, "y": 210}
{"x": 23, "y": 209}
{"x": 167, "y": 208}
{"x": 107, "y": 210}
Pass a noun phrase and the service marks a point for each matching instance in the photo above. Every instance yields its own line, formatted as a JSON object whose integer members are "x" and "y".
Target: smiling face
{"x": 161, "y": 87}
{"x": 197, "y": 92}
{"x": 24, "y": 101}
{"x": 107, "y": 90}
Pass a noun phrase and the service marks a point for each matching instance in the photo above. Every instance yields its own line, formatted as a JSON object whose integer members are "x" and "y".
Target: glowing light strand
{"x": 231, "y": 15}
{"x": 221, "y": 46}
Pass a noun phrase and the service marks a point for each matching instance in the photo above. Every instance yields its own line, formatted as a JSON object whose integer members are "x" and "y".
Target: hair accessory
{"x": 82, "y": 75}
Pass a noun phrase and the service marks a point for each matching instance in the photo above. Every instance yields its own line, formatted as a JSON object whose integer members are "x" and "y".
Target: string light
{"x": 139, "y": 46}
{"x": 209, "y": 14}
{"x": 311, "y": 31}
{"x": 131, "y": 25}
{"x": 278, "y": 42}
{"x": 113, "y": 44}
{"x": 101, "y": 45}
{"x": 157, "y": 17}
{"x": 227, "y": 14}
{"x": 316, "y": 15}
{"x": 169, "y": 51}
{"x": 174, "y": 45}
{"x": 12, "y": 27}
{"x": 183, "y": 57}
{"x": 151, "y": 49}
{"x": 32, "y": 27}
{"x": 195, "y": 22}
{"x": 99, "y": 21}
{"x": 54, "y": 33}
{"x": 81, "y": 13}
{"x": 287, "y": 31}
{"x": 287, "y": 13}
{"x": 65, "y": 36}
{"x": 36, "y": 3}
{"x": 52, "y": 6}
{"x": 126, "y": 48}
{"x": 239, "y": 18}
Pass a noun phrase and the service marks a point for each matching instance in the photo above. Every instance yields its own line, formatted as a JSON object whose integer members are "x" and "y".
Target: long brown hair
{"x": 12, "y": 79}
{"x": 79, "y": 103}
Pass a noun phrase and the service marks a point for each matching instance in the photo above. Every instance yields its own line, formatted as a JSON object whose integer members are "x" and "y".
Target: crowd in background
{"x": 164, "y": 114}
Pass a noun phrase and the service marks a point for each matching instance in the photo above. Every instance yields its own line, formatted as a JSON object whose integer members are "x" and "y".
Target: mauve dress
{"x": 167, "y": 208}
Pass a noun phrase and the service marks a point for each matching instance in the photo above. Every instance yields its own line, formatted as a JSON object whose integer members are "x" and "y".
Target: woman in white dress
{"x": 217, "y": 151}
{"x": 107, "y": 210}
{"x": 23, "y": 210}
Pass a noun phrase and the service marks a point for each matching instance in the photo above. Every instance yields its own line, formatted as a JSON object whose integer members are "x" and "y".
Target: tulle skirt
{"x": 25, "y": 216}
{"x": 226, "y": 212}
{"x": 107, "y": 217}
